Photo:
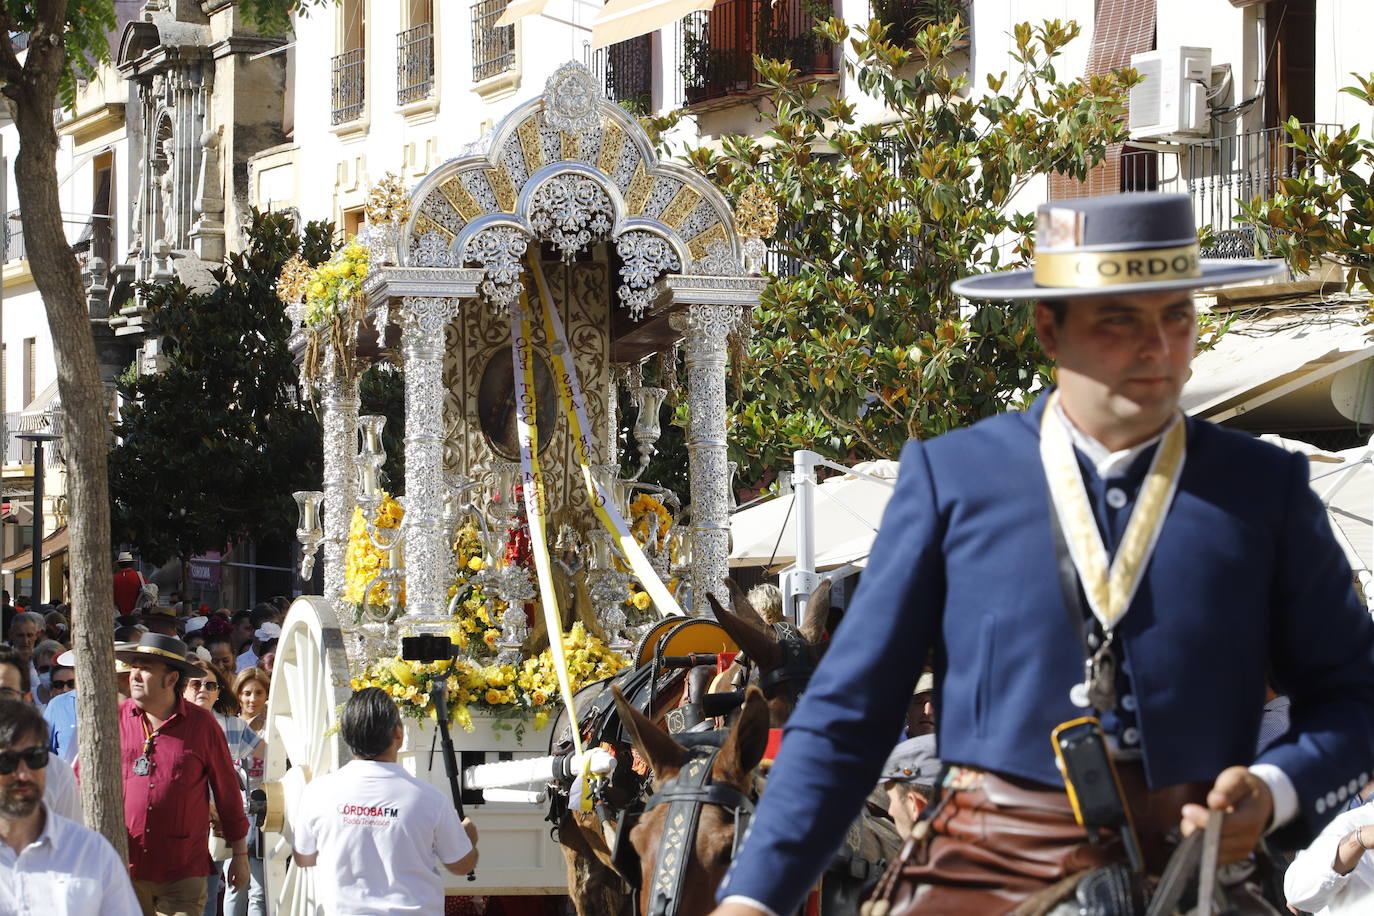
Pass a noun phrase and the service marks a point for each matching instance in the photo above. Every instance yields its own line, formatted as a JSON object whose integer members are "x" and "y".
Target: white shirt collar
{"x": 1107, "y": 463}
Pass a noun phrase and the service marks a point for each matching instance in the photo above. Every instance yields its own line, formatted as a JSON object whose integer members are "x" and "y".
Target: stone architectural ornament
{"x": 571, "y": 97}
{"x": 572, "y": 212}
{"x": 645, "y": 257}
{"x": 499, "y": 251}
{"x": 432, "y": 251}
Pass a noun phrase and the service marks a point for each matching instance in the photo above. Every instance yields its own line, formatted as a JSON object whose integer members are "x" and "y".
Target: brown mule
{"x": 682, "y": 880}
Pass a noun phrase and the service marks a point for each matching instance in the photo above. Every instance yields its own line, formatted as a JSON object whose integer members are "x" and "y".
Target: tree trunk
{"x": 86, "y": 429}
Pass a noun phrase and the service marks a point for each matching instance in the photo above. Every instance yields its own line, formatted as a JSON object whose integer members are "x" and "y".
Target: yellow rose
{"x": 539, "y": 698}
{"x": 475, "y": 564}
{"x": 642, "y": 601}
{"x": 493, "y": 696}
{"x": 490, "y": 637}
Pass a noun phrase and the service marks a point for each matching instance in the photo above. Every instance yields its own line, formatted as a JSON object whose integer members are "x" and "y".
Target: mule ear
{"x": 742, "y": 606}
{"x": 656, "y": 745}
{"x": 754, "y": 640}
{"x": 817, "y": 613}
{"x": 747, "y": 741}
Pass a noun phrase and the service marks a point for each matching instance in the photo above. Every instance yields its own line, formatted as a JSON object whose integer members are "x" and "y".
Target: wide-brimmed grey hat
{"x": 1118, "y": 243}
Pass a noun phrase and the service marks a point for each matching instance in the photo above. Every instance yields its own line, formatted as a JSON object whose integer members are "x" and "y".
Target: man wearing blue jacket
{"x": 1203, "y": 556}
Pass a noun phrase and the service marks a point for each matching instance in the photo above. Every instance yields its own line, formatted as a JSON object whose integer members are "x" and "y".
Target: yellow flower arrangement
{"x": 649, "y": 519}
{"x": 363, "y": 561}
{"x": 334, "y": 283}
{"x": 527, "y": 691}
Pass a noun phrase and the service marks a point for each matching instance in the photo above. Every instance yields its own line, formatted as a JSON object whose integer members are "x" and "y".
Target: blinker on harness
{"x": 686, "y": 794}
{"x": 797, "y": 662}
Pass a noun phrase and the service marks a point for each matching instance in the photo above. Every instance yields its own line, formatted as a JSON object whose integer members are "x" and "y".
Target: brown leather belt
{"x": 1000, "y": 839}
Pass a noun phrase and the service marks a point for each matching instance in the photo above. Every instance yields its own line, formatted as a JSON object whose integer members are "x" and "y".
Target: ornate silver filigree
{"x": 571, "y": 97}
{"x": 719, "y": 261}
{"x": 572, "y": 212}
{"x": 707, "y": 329}
{"x": 645, "y": 258}
{"x": 499, "y": 251}
{"x": 432, "y": 251}
{"x": 427, "y": 555}
{"x": 339, "y": 403}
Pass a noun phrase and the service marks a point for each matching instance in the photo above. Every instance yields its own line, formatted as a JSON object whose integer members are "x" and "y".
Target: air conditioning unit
{"x": 1170, "y": 101}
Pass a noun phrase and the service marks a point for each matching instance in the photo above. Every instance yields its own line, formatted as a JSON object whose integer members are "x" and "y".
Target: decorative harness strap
{"x": 797, "y": 662}
{"x": 685, "y": 795}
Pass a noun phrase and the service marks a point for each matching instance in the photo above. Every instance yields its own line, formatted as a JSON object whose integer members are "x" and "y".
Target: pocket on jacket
{"x": 982, "y": 697}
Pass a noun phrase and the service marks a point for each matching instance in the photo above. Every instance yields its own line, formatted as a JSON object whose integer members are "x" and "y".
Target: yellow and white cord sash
{"x": 1109, "y": 588}
{"x": 574, "y": 403}
{"x": 526, "y": 417}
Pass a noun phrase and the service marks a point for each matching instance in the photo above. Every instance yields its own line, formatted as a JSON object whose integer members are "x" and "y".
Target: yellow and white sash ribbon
{"x": 1109, "y": 587}
{"x": 574, "y": 403}
{"x": 526, "y": 421}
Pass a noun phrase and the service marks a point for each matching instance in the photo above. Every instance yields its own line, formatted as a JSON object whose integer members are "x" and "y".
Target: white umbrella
{"x": 1344, "y": 481}
{"x": 848, "y": 510}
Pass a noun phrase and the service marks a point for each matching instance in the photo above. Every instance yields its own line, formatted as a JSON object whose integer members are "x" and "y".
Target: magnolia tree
{"x": 859, "y": 345}
{"x": 1325, "y": 211}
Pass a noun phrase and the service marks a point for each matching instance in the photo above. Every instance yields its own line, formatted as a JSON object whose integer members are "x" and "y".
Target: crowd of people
{"x": 188, "y": 778}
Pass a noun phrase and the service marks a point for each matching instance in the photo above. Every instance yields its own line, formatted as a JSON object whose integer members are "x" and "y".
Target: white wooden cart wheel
{"x": 309, "y": 685}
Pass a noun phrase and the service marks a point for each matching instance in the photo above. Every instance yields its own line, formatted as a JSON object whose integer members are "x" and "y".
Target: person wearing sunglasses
{"x": 45, "y": 856}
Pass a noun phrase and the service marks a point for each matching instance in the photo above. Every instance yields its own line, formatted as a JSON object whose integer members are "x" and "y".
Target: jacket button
{"x": 1130, "y": 737}
{"x": 1116, "y": 497}
{"x": 1321, "y": 806}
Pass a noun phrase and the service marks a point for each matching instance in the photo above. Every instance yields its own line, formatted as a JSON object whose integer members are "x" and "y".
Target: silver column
{"x": 340, "y": 421}
{"x": 706, "y": 329}
{"x": 427, "y": 555}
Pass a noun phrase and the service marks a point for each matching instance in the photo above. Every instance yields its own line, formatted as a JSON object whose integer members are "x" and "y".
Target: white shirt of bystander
{"x": 1312, "y": 883}
{"x": 68, "y": 869}
{"x": 60, "y": 792}
{"x": 380, "y": 834}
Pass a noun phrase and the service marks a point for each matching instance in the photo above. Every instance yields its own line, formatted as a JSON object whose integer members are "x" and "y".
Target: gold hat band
{"x": 1090, "y": 269}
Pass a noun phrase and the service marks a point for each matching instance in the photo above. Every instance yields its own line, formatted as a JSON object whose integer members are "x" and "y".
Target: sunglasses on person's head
{"x": 196, "y": 683}
{"x": 63, "y": 683}
{"x": 35, "y": 758}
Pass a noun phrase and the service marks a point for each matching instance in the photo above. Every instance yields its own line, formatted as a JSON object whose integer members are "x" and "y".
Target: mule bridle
{"x": 798, "y": 664}
{"x": 685, "y": 795}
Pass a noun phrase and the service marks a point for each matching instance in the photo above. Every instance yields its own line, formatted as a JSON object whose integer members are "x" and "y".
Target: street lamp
{"x": 38, "y": 437}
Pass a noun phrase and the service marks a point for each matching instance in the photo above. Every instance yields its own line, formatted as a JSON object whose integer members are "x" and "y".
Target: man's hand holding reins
{"x": 1249, "y": 807}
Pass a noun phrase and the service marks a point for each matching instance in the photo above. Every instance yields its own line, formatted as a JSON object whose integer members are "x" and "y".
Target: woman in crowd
{"x": 251, "y": 688}
{"x": 211, "y": 689}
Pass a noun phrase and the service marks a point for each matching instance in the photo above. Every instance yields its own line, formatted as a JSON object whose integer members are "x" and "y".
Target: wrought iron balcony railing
{"x": 717, "y": 46}
{"x": 14, "y": 238}
{"x": 1221, "y": 173}
{"x": 493, "y": 49}
{"x": 415, "y": 63}
{"x": 349, "y": 75}
{"x": 625, "y": 70}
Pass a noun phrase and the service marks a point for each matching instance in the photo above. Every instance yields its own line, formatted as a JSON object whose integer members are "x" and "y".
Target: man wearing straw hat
{"x": 174, "y": 760}
{"x": 1099, "y": 557}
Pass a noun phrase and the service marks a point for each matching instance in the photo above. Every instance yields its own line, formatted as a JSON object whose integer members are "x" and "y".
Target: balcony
{"x": 717, "y": 46}
{"x": 493, "y": 48}
{"x": 625, "y": 72}
{"x": 1220, "y": 173}
{"x": 14, "y": 238}
{"x": 347, "y": 87}
{"x": 415, "y": 64}
{"x": 905, "y": 18}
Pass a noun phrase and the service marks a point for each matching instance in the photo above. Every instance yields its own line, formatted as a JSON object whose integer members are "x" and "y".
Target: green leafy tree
{"x": 212, "y": 446}
{"x": 45, "y": 45}
{"x": 1325, "y": 210}
{"x": 862, "y": 346}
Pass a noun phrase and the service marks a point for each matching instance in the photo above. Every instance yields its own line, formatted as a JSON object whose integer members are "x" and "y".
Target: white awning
{"x": 622, "y": 20}
{"x": 1263, "y": 359}
{"x": 848, "y": 510}
{"x": 619, "y": 20}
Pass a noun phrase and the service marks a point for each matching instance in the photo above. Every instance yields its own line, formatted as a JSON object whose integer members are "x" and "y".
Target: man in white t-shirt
{"x": 375, "y": 830}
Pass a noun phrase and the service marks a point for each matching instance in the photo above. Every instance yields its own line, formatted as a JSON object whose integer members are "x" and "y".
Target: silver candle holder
{"x": 308, "y": 528}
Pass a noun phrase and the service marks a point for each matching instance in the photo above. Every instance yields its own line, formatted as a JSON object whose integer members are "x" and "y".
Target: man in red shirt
{"x": 174, "y": 759}
{"x": 127, "y": 582}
